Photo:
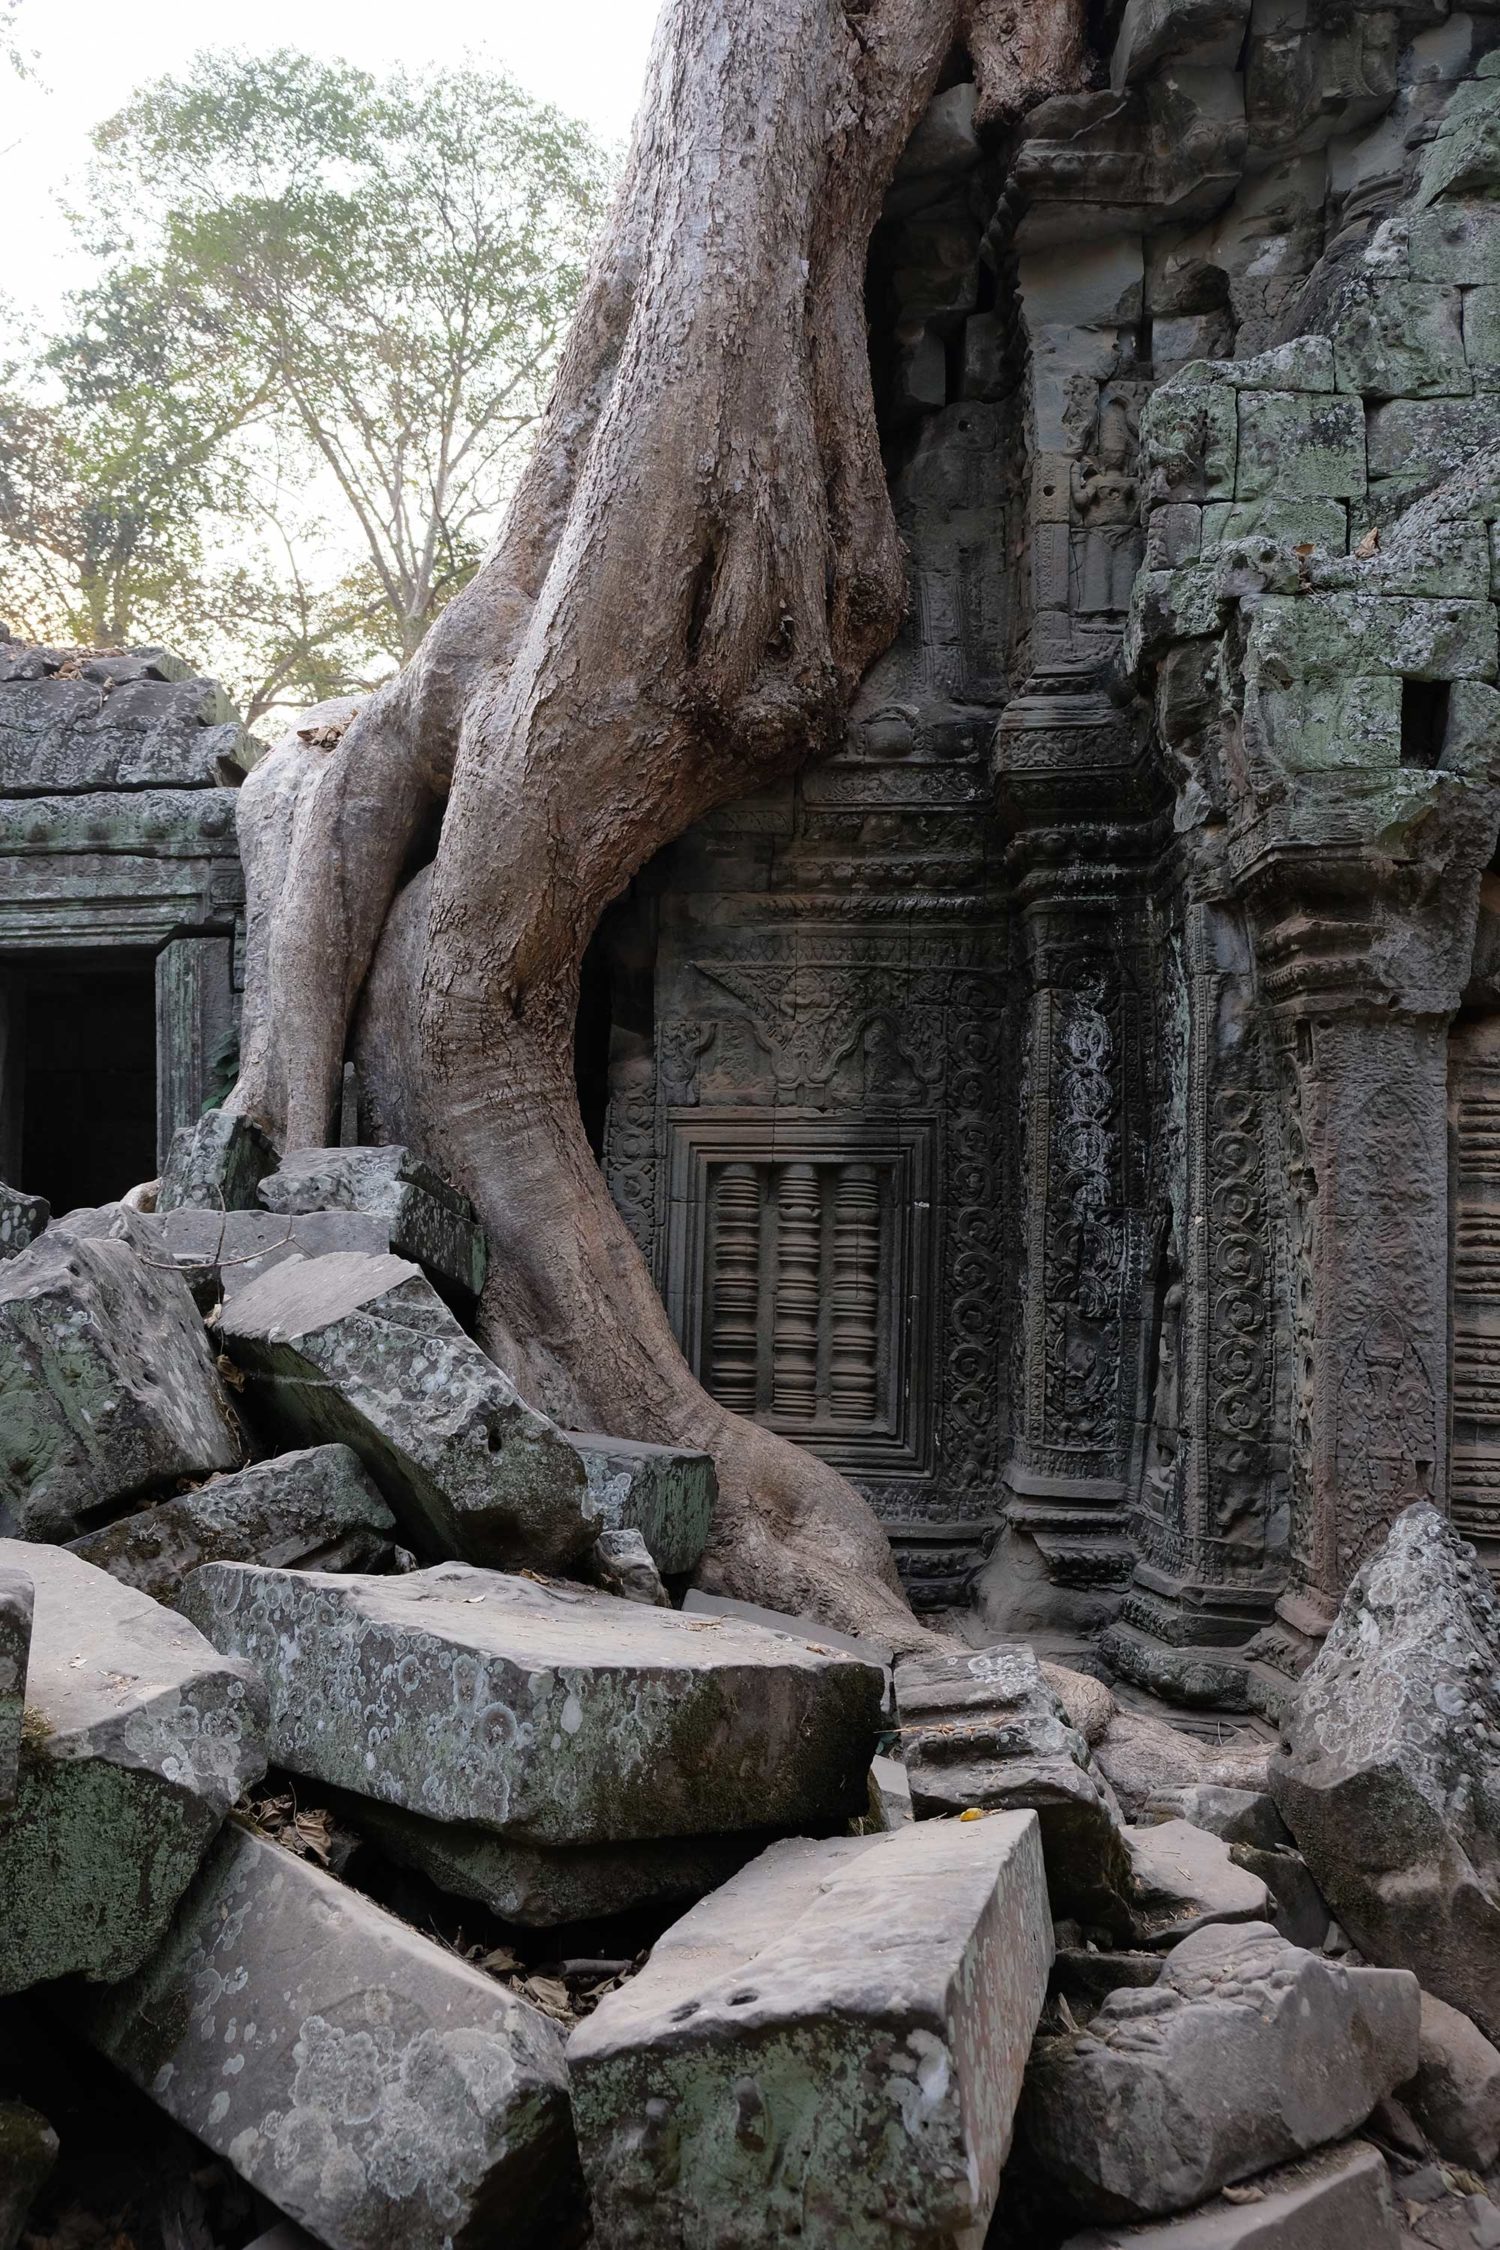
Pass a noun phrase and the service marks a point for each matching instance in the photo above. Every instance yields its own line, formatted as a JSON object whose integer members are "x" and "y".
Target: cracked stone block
{"x": 137, "y": 1739}
{"x": 22, "y": 1219}
{"x": 1245, "y": 2052}
{"x": 1189, "y": 442}
{"x": 1402, "y": 339}
{"x": 1482, "y": 335}
{"x": 1324, "y": 725}
{"x": 1333, "y": 2201}
{"x": 28, "y": 2151}
{"x": 362, "y": 1351}
{"x": 665, "y": 1492}
{"x": 17, "y": 1606}
{"x": 541, "y": 1886}
{"x": 829, "y": 2047}
{"x": 1292, "y": 519}
{"x": 376, "y": 2088}
{"x": 107, "y": 1386}
{"x": 1441, "y": 434}
{"x": 429, "y": 1222}
{"x": 545, "y": 1711}
{"x": 1333, "y": 636}
{"x": 1388, "y": 1769}
{"x": 220, "y": 1253}
{"x": 312, "y": 1510}
{"x": 1456, "y": 241}
{"x": 215, "y": 1164}
{"x": 1185, "y": 1879}
{"x": 1290, "y": 443}
{"x": 984, "y": 1729}
{"x": 95, "y": 733}
{"x": 1455, "y": 2095}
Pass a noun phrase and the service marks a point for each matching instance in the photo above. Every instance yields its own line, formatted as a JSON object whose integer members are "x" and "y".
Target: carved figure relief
{"x": 1105, "y": 495}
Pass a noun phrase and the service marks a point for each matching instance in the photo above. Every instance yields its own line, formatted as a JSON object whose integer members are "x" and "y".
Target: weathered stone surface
{"x": 1240, "y": 1816}
{"x": 1455, "y": 2095}
{"x": 1340, "y": 2200}
{"x": 619, "y": 1562}
{"x": 428, "y": 1222}
{"x": 22, "y": 1219}
{"x": 1185, "y": 1879}
{"x": 540, "y": 1886}
{"x": 1388, "y": 1771}
{"x": 138, "y": 1739}
{"x": 985, "y": 1730}
{"x": 375, "y": 2087}
{"x": 312, "y": 1510}
{"x": 220, "y": 1253}
{"x": 665, "y": 1492}
{"x": 549, "y": 1712}
{"x": 215, "y": 1164}
{"x": 107, "y": 1386}
{"x": 830, "y": 2048}
{"x": 94, "y": 733}
{"x": 364, "y": 1351}
{"x": 17, "y": 1608}
{"x": 28, "y": 2151}
{"x": 1244, "y": 2053}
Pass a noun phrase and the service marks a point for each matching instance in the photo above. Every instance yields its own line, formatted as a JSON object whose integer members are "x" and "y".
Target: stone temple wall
{"x": 118, "y": 775}
{"x": 1043, "y": 1108}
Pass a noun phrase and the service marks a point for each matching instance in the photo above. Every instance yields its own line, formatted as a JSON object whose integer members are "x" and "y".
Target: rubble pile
{"x": 380, "y": 1802}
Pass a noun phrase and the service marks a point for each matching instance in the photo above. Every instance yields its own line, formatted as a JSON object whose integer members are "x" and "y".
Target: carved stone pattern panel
{"x": 1475, "y": 1471}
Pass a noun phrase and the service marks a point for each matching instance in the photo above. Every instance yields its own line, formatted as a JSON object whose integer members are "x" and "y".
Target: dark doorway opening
{"x": 80, "y": 1074}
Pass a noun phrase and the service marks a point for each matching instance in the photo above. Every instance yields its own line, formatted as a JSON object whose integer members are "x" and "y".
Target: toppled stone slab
{"x": 1142, "y": 1757}
{"x": 619, "y": 1562}
{"x": 1455, "y": 2095}
{"x": 1240, "y": 1816}
{"x": 829, "y": 2049}
{"x": 1388, "y": 1771}
{"x": 363, "y": 1350}
{"x": 1185, "y": 1879}
{"x": 549, "y": 1712}
{"x": 377, "y": 2089}
{"x": 540, "y": 1886}
{"x": 312, "y": 1510}
{"x": 17, "y": 1607}
{"x": 1244, "y": 2053}
{"x": 28, "y": 2151}
{"x": 985, "y": 1730}
{"x": 665, "y": 1492}
{"x": 215, "y": 1164}
{"x": 138, "y": 1738}
{"x": 426, "y": 1220}
{"x": 1340, "y": 2200}
{"x": 107, "y": 1386}
{"x": 22, "y": 1219}
{"x": 220, "y": 1253}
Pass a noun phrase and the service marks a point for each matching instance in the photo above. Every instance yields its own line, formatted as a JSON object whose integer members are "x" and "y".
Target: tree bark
{"x": 700, "y": 564}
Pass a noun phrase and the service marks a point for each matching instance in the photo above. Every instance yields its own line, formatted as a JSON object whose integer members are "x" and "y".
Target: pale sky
{"x": 588, "y": 56}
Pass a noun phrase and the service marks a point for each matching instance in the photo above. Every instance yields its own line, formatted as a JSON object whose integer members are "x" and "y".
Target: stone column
{"x": 196, "y": 1006}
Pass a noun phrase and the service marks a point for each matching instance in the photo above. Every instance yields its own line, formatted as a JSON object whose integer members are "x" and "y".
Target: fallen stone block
{"x": 138, "y": 1737}
{"x": 107, "y": 1386}
{"x": 17, "y": 1606}
{"x": 1455, "y": 2095}
{"x": 362, "y": 1350}
{"x": 22, "y": 1219}
{"x": 549, "y": 1712}
{"x": 312, "y": 1510}
{"x": 215, "y": 1164}
{"x": 1185, "y": 1879}
{"x": 1245, "y": 2052}
{"x": 1340, "y": 2200}
{"x": 890, "y": 1793}
{"x": 1143, "y": 1757}
{"x": 1388, "y": 1770}
{"x": 540, "y": 1886}
{"x": 426, "y": 1220}
{"x": 664, "y": 1492}
{"x": 376, "y": 2088}
{"x": 619, "y": 1562}
{"x": 1298, "y": 1908}
{"x": 984, "y": 1730}
{"x": 220, "y": 1253}
{"x": 829, "y": 2049}
{"x": 1240, "y": 1816}
{"x": 28, "y": 2151}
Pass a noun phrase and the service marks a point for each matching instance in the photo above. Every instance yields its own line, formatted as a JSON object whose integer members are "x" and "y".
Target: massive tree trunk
{"x": 698, "y": 568}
